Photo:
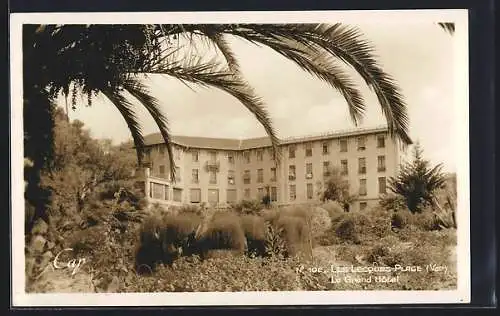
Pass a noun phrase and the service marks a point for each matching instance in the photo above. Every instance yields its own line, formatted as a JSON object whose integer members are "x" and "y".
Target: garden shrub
{"x": 333, "y": 208}
{"x": 250, "y": 207}
{"x": 190, "y": 209}
{"x": 320, "y": 222}
{"x": 346, "y": 231}
{"x": 223, "y": 232}
{"x": 295, "y": 233}
{"x": 178, "y": 235}
{"x": 255, "y": 233}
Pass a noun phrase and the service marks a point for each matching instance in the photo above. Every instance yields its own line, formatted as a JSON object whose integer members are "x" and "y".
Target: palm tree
{"x": 112, "y": 60}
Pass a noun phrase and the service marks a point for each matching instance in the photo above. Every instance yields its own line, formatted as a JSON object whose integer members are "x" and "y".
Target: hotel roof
{"x": 251, "y": 143}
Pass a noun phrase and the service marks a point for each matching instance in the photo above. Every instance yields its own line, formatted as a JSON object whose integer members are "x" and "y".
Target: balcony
{"x": 291, "y": 177}
{"x": 212, "y": 165}
{"x": 362, "y": 170}
{"x": 327, "y": 174}
{"x": 381, "y": 169}
{"x": 309, "y": 176}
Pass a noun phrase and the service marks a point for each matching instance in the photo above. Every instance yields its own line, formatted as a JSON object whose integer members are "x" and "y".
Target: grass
{"x": 374, "y": 237}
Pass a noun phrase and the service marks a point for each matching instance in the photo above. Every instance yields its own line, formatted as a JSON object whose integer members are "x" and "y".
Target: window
{"x": 195, "y": 155}
{"x": 246, "y": 156}
{"x": 195, "y": 195}
{"x": 380, "y": 141}
{"x": 361, "y": 165}
{"x": 230, "y": 158}
{"x": 343, "y": 145}
{"x": 326, "y": 168}
{"x": 291, "y": 151}
{"x": 260, "y": 175}
{"x": 213, "y": 156}
{"x": 361, "y": 143}
{"x": 194, "y": 176}
{"x": 293, "y": 192}
{"x": 260, "y": 155}
{"x": 309, "y": 191}
{"x": 247, "y": 194}
{"x": 309, "y": 170}
{"x": 381, "y": 163}
{"x": 344, "y": 167}
{"x": 231, "y": 195}
{"x": 260, "y": 193}
{"x": 212, "y": 176}
{"x": 309, "y": 150}
{"x": 157, "y": 191}
{"x": 213, "y": 196}
{"x": 362, "y": 187}
{"x": 274, "y": 194}
{"x": 291, "y": 172}
{"x": 178, "y": 174}
{"x": 246, "y": 177}
{"x": 326, "y": 149}
{"x": 177, "y": 195}
{"x": 177, "y": 152}
{"x": 362, "y": 206}
{"x": 230, "y": 177}
{"x": 273, "y": 174}
{"x": 161, "y": 171}
{"x": 166, "y": 189}
{"x": 161, "y": 150}
{"x": 382, "y": 185}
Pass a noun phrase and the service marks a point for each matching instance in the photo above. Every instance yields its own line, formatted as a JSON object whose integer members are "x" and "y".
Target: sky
{"x": 419, "y": 56}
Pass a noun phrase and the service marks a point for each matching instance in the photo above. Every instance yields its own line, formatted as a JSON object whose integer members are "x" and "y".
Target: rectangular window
{"x": 326, "y": 168}
{"x": 178, "y": 174}
{"x": 161, "y": 171}
{"x": 362, "y": 206}
{"x": 380, "y": 141}
{"x": 231, "y": 195}
{"x": 361, "y": 165}
{"x": 274, "y": 194}
{"x": 230, "y": 177}
{"x": 291, "y": 172}
{"x": 177, "y": 152}
{"x": 343, "y": 145}
{"x": 213, "y": 156}
{"x": 246, "y": 177}
{"x": 362, "y": 187}
{"x": 381, "y": 163}
{"x": 361, "y": 143}
{"x": 213, "y": 196}
{"x": 212, "y": 176}
{"x": 157, "y": 191}
{"x": 195, "y": 178}
{"x": 382, "y": 185}
{"x": 195, "y": 195}
{"x": 309, "y": 170}
{"x": 309, "y": 191}
{"x": 344, "y": 167}
{"x": 246, "y": 156}
{"x": 326, "y": 149}
{"x": 260, "y": 193}
{"x": 177, "y": 195}
{"x": 291, "y": 151}
{"x": 260, "y": 175}
{"x": 161, "y": 150}
{"x": 247, "y": 194}
{"x": 293, "y": 192}
{"x": 230, "y": 158}
{"x": 273, "y": 174}
{"x": 260, "y": 155}
{"x": 166, "y": 189}
{"x": 195, "y": 155}
{"x": 309, "y": 150}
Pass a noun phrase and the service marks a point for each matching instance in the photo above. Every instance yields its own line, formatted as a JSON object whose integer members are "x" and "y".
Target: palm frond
{"x": 223, "y": 46}
{"x": 127, "y": 111}
{"x": 213, "y": 74}
{"x": 141, "y": 93}
{"x": 448, "y": 27}
{"x": 341, "y": 42}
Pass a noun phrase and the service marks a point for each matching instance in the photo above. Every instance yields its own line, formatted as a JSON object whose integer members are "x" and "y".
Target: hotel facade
{"x": 219, "y": 171}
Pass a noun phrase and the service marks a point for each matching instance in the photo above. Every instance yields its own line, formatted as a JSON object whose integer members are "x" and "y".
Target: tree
{"x": 335, "y": 188}
{"x": 113, "y": 59}
{"x": 417, "y": 182}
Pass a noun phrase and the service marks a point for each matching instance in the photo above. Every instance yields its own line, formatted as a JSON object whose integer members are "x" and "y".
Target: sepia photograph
{"x": 231, "y": 158}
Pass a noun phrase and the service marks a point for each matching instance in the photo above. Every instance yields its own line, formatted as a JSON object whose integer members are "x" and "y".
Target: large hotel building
{"x": 220, "y": 171}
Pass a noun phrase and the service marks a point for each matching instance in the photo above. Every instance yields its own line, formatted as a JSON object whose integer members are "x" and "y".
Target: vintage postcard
{"x": 240, "y": 158}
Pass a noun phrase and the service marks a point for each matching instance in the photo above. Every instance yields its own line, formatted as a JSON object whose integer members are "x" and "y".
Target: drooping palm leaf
{"x": 141, "y": 93}
{"x": 448, "y": 27}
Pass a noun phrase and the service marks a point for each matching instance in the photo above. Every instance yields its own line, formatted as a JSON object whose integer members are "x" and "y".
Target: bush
{"x": 255, "y": 233}
{"x": 320, "y": 222}
{"x": 251, "y": 207}
{"x": 392, "y": 202}
{"x": 346, "y": 231}
{"x": 334, "y": 209}
{"x": 223, "y": 232}
{"x": 295, "y": 233}
{"x": 190, "y": 209}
